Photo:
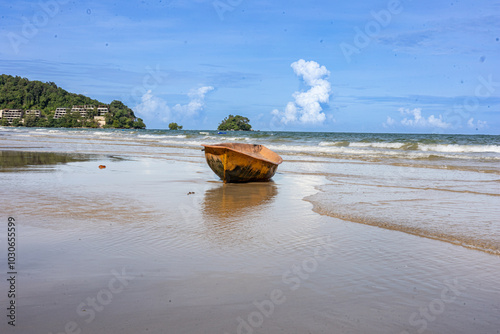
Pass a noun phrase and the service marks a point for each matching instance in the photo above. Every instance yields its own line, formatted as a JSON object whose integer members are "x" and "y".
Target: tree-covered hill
{"x": 21, "y": 93}
{"x": 237, "y": 123}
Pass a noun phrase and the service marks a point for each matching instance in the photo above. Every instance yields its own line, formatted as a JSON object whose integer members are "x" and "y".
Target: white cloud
{"x": 152, "y": 107}
{"x": 420, "y": 121}
{"x": 307, "y": 105}
{"x": 478, "y": 125}
{"x": 196, "y": 103}
{"x": 389, "y": 122}
{"x": 155, "y": 108}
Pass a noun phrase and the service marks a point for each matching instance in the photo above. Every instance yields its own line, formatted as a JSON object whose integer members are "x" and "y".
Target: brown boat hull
{"x": 242, "y": 162}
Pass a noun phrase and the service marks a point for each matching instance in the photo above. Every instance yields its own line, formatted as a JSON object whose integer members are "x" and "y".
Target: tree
{"x": 174, "y": 126}
{"x": 236, "y": 123}
{"x": 139, "y": 124}
{"x": 31, "y": 121}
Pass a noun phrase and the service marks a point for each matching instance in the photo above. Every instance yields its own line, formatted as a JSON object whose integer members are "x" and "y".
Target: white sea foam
{"x": 454, "y": 148}
{"x": 160, "y": 136}
{"x": 334, "y": 143}
{"x": 182, "y": 143}
{"x": 375, "y": 152}
{"x": 102, "y": 134}
{"x": 363, "y": 145}
{"x": 224, "y": 138}
{"x": 378, "y": 145}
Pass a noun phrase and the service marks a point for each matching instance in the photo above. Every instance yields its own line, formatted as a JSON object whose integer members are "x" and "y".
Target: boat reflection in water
{"x": 226, "y": 210}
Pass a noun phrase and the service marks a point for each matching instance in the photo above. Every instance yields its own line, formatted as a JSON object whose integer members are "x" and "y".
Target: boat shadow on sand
{"x": 230, "y": 210}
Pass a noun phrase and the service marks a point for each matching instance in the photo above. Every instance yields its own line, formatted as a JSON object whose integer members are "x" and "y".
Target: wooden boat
{"x": 234, "y": 162}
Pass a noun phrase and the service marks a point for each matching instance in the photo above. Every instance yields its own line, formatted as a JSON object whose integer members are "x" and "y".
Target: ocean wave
{"x": 378, "y": 145}
{"x": 410, "y": 147}
{"x": 104, "y": 134}
{"x": 415, "y": 146}
{"x": 455, "y": 148}
{"x": 335, "y": 143}
{"x": 46, "y": 131}
{"x": 330, "y": 145}
{"x": 217, "y": 138}
{"x": 160, "y": 136}
{"x": 184, "y": 143}
{"x": 381, "y": 145}
{"x": 224, "y": 138}
{"x": 374, "y": 152}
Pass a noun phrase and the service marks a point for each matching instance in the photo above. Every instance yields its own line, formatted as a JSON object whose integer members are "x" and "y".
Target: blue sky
{"x": 354, "y": 66}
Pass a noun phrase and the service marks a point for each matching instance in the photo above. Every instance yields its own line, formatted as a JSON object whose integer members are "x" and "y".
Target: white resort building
{"x": 11, "y": 114}
{"x": 60, "y": 112}
{"x": 102, "y": 110}
{"x": 36, "y": 113}
{"x": 83, "y": 109}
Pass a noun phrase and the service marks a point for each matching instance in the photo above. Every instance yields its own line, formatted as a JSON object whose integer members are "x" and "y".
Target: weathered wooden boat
{"x": 234, "y": 162}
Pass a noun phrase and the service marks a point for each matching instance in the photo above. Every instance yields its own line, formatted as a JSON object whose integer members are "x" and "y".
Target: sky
{"x": 408, "y": 66}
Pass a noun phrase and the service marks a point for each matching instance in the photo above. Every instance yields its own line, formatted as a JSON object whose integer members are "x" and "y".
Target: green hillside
{"x": 21, "y": 93}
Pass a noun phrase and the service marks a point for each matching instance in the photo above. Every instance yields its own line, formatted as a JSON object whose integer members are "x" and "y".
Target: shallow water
{"x": 211, "y": 261}
{"x": 438, "y": 186}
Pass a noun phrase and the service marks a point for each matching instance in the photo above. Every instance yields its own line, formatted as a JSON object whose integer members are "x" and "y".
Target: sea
{"x": 454, "y": 151}
{"x": 355, "y": 233}
{"x": 438, "y": 186}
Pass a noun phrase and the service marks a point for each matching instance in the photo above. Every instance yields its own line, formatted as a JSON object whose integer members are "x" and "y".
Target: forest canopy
{"x": 21, "y": 93}
{"x": 236, "y": 123}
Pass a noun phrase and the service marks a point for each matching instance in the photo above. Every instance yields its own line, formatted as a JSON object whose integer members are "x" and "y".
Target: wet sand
{"x": 125, "y": 249}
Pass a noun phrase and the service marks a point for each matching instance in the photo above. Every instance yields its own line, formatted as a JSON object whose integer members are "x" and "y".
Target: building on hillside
{"x": 60, "y": 112}
{"x": 102, "y": 110}
{"x": 83, "y": 109}
{"x": 36, "y": 113}
{"x": 11, "y": 114}
{"x": 101, "y": 120}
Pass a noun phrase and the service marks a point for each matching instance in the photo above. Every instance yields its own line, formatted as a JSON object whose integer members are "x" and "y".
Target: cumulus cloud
{"x": 417, "y": 120}
{"x": 152, "y": 107}
{"x": 477, "y": 125}
{"x": 155, "y": 108}
{"x": 389, "y": 122}
{"x": 307, "y": 109}
{"x": 196, "y": 103}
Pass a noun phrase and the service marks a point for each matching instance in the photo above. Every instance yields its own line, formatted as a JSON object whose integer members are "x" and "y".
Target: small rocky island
{"x": 235, "y": 123}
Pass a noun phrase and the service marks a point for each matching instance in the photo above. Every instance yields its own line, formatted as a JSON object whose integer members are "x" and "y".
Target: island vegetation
{"x": 18, "y": 93}
{"x": 174, "y": 126}
{"x": 236, "y": 123}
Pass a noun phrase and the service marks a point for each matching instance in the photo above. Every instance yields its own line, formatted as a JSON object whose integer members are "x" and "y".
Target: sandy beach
{"x": 372, "y": 128}
{"x": 127, "y": 249}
